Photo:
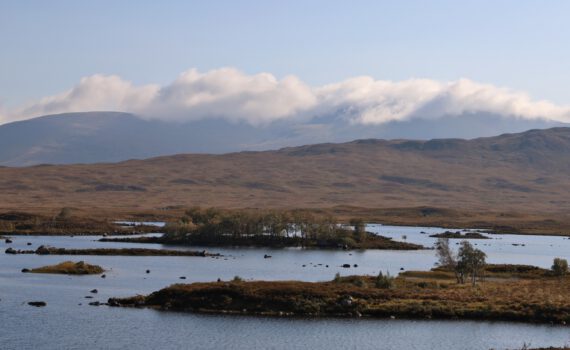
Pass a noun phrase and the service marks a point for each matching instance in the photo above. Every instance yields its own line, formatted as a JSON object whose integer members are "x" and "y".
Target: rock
{"x": 401, "y": 269}
{"x": 267, "y": 256}
{"x": 103, "y": 276}
{"x": 346, "y": 266}
{"x": 147, "y": 271}
{"x": 25, "y": 270}
{"x": 8, "y": 241}
{"x": 113, "y": 302}
{"x": 355, "y": 265}
{"x": 346, "y": 301}
{"x": 29, "y": 243}
{"x": 11, "y": 251}
{"x": 94, "y": 291}
{"x": 37, "y": 303}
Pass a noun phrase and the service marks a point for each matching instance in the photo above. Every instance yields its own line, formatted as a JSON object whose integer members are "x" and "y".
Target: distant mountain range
{"x": 523, "y": 172}
{"x": 93, "y": 137}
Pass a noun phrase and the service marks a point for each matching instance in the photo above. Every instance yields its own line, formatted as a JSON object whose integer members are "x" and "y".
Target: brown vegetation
{"x": 64, "y": 222}
{"x": 398, "y": 182}
{"x": 429, "y": 296}
{"x": 43, "y": 250}
{"x": 70, "y": 268}
{"x": 268, "y": 228}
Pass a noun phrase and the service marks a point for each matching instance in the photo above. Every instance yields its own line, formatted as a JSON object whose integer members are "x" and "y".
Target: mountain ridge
{"x": 94, "y": 137}
{"x": 523, "y": 172}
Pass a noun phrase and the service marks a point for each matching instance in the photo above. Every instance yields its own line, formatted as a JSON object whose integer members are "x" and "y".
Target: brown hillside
{"x": 526, "y": 172}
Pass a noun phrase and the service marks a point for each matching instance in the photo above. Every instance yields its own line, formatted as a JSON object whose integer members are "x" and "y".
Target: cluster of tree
{"x": 298, "y": 225}
{"x": 468, "y": 262}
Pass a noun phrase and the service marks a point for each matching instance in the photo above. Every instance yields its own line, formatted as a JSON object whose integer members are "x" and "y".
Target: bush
{"x": 237, "y": 279}
{"x": 559, "y": 267}
{"x": 384, "y": 281}
{"x": 337, "y": 278}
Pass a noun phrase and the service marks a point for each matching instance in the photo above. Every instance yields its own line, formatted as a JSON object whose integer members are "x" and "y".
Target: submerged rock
{"x": 37, "y": 303}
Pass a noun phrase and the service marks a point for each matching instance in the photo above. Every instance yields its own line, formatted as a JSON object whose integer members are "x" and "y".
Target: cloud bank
{"x": 262, "y": 98}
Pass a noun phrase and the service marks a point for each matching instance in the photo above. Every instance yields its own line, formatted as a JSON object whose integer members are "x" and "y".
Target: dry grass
{"x": 527, "y": 300}
{"x": 70, "y": 268}
{"x": 511, "y": 183}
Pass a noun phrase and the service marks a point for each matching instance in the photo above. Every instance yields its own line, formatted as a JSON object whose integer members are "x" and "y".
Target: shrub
{"x": 384, "y": 281}
{"x": 359, "y": 282}
{"x": 560, "y": 266}
{"x": 237, "y": 279}
{"x": 337, "y": 278}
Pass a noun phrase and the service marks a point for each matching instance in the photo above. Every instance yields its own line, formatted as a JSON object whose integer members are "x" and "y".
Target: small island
{"x": 45, "y": 250}
{"x": 459, "y": 235}
{"x": 509, "y": 292}
{"x": 69, "y": 268}
{"x": 269, "y": 228}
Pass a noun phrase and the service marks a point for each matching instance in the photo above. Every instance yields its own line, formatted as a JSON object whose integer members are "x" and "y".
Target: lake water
{"x": 65, "y": 324}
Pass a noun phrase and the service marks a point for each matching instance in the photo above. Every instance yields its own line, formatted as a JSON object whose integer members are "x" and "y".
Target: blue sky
{"x": 47, "y": 46}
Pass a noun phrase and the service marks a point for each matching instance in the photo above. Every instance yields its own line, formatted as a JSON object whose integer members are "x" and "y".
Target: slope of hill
{"x": 93, "y": 137}
{"x": 525, "y": 172}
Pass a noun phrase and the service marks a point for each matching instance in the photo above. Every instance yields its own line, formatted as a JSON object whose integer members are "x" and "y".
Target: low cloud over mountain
{"x": 226, "y": 110}
{"x": 261, "y": 99}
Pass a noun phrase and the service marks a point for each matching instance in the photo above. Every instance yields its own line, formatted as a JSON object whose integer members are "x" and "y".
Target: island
{"x": 45, "y": 250}
{"x": 459, "y": 235}
{"x": 268, "y": 228}
{"x": 69, "y": 268}
{"x": 509, "y": 292}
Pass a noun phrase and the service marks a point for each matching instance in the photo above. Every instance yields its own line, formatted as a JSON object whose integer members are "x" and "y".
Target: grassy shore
{"x": 99, "y": 220}
{"x": 505, "y": 295}
{"x": 64, "y": 223}
{"x": 70, "y": 268}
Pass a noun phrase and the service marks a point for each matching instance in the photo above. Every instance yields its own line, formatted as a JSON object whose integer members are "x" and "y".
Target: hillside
{"x": 95, "y": 137}
{"x": 525, "y": 172}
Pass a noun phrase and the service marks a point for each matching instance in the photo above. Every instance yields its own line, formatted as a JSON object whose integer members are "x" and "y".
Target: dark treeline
{"x": 211, "y": 226}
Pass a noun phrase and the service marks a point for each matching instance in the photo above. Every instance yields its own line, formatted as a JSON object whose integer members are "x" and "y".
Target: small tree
{"x": 384, "y": 281}
{"x": 446, "y": 258}
{"x": 359, "y": 229}
{"x": 559, "y": 267}
{"x": 470, "y": 261}
{"x": 64, "y": 214}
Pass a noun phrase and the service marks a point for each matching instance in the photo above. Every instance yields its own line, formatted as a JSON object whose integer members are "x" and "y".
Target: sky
{"x": 291, "y": 49}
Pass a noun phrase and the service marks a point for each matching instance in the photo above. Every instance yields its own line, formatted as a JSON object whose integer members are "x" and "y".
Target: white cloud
{"x": 262, "y": 98}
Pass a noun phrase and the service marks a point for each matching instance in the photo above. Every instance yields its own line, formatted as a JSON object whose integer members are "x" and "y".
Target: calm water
{"x": 64, "y": 323}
